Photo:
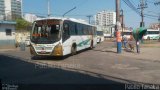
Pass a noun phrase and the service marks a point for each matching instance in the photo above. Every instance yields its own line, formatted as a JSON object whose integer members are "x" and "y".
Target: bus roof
{"x": 70, "y": 19}
{"x": 152, "y": 30}
{"x": 127, "y": 31}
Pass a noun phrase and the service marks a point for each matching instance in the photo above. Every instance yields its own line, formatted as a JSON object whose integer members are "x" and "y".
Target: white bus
{"x": 60, "y": 37}
{"x": 127, "y": 34}
{"x": 152, "y": 34}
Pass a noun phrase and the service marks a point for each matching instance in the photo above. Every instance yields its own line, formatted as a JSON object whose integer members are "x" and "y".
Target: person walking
{"x": 125, "y": 41}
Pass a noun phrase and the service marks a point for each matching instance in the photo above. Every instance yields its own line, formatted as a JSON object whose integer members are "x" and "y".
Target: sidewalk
{"x": 149, "y": 52}
{"x": 17, "y": 53}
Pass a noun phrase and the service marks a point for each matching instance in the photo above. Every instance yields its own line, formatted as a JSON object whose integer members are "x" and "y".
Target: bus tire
{"x": 34, "y": 57}
{"x": 148, "y": 38}
{"x": 100, "y": 40}
{"x": 73, "y": 49}
{"x": 91, "y": 46}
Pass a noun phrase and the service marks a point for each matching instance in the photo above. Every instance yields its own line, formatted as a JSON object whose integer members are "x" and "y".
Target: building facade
{"x": 2, "y": 11}
{"x": 10, "y": 9}
{"x": 30, "y": 17}
{"x": 105, "y": 21}
{"x": 7, "y": 33}
{"x": 155, "y": 26}
{"x": 105, "y": 18}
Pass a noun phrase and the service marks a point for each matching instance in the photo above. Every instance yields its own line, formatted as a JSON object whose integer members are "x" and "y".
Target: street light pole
{"x": 89, "y": 19}
{"x": 49, "y": 13}
{"x": 69, "y": 11}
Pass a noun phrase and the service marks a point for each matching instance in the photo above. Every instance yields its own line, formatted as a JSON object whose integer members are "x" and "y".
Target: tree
{"x": 22, "y": 24}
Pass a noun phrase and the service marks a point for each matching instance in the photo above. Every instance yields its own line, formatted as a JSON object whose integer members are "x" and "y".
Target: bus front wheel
{"x": 73, "y": 50}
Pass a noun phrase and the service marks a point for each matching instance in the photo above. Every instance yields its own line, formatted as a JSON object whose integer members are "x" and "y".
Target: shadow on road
{"x": 128, "y": 50}
{"x": 28, "y": 75}
{"x": 106, "y": 51}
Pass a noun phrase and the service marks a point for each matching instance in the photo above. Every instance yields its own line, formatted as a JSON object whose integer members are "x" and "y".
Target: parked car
{"x": 27, "y": 41}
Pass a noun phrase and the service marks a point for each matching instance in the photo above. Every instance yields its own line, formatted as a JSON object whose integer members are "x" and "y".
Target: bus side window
{"x": 72, "y": 28}
{"x": 76, "y": 30}
{"x": 66, "y": 33}
{"x": 66, "y": 29}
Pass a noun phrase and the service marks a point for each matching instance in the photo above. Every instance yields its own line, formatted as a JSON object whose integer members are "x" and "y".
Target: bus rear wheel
{"x": 73, "y": 50}
{"x": 148, "y": 38}
{"x": 91, "y": 46}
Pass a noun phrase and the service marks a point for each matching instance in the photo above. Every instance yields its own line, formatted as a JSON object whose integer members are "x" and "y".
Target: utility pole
{"x": 49, "y": 12}
{"x": 142, "y": 6}
{"x": 118, "y": 26}
{"x": 122, "y": 17}
{"x": 89, "y": 18}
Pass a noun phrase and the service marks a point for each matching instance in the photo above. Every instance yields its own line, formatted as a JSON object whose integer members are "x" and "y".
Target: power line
{"x": 129, "y": 4}
{"x": 133, "y": 3}
{"x": 150, "y": 2}
{"x": 150, "y": 15}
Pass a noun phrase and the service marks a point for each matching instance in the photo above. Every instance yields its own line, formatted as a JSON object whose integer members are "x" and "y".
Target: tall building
{"x": 105, "y": 18}
{"x": 10, "y": 9}
{"x": 2, "y": 11}
{"x": 105, "y": 21}
{"x": 30, "y": 17}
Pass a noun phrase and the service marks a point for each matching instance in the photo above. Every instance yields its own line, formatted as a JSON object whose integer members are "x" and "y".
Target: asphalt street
{"x": 102, "y": 65}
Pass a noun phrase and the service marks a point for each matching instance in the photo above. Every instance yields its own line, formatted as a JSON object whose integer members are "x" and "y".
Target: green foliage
{"x": 22, "y": 24}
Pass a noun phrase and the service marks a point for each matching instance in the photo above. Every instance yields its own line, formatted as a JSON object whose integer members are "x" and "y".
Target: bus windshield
{"x": 45, "y": 31}
{"x": 152, "y": 32}
{"x": 100, "y": 33}
{"x": 126, "y": 33}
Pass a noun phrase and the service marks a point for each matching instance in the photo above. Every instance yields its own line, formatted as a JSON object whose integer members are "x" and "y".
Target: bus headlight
{"x": 58, "y": 50}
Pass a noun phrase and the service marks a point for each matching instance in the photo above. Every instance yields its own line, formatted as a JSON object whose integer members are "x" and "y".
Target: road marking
{"x": 124, "y": 66}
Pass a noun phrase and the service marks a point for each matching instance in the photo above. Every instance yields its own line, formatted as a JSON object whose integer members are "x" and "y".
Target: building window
{"x": 8, "y": 32}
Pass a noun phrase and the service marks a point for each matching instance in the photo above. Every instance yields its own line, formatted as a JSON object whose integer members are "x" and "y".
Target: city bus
{"x": 61, "y": 36}
{"x": 127, "y": 34}
{"x": 152, "y": 34}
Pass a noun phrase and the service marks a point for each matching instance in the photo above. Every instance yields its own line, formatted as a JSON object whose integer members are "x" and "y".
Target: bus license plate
{"x": 43, "y": 51}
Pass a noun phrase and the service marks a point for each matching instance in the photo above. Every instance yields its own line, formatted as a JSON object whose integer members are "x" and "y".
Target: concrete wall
{"x": 21, "y": 36}
{"x": 7, "y": 41}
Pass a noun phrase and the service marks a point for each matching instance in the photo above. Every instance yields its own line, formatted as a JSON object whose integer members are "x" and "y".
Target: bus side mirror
{"x": 139, "y": 33}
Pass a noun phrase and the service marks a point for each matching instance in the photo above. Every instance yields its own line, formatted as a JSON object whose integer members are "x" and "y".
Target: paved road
{"x": 101, "y": 65}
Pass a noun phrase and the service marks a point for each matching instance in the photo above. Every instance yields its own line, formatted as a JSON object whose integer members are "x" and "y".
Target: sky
{"x": 91, "y": 7}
